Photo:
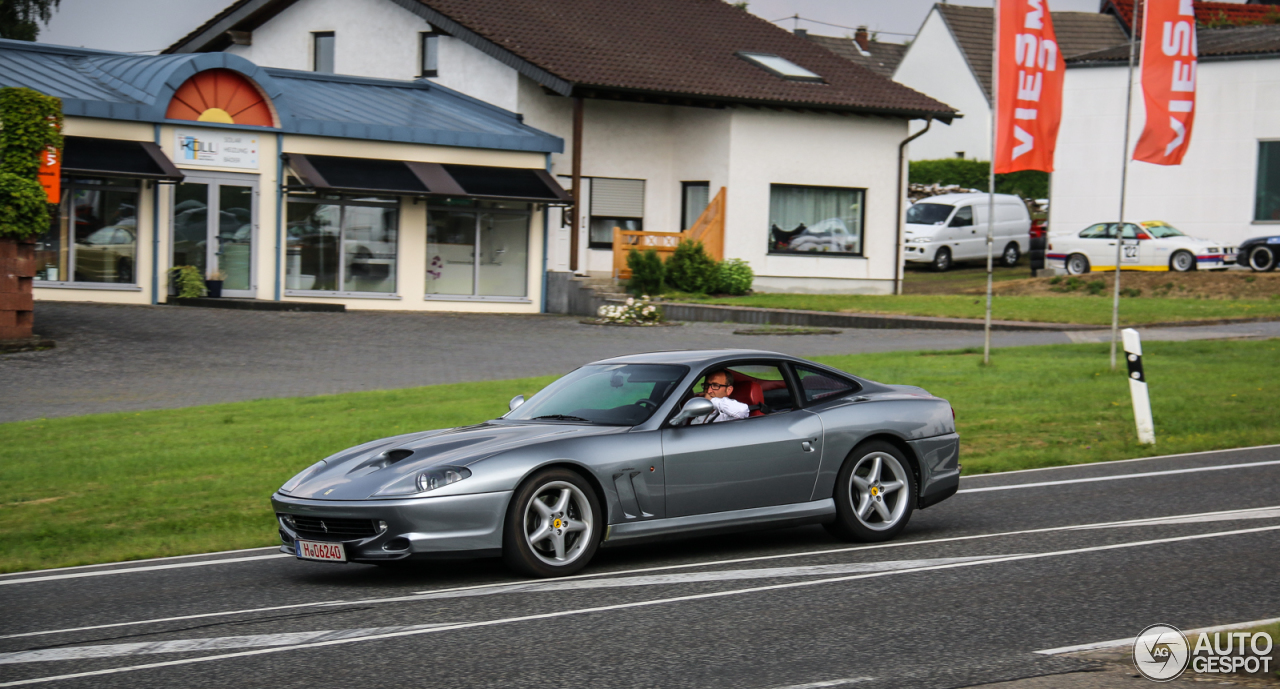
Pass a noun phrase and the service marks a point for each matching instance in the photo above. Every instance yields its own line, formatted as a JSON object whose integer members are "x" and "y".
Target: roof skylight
{"x": 780, "y": 66}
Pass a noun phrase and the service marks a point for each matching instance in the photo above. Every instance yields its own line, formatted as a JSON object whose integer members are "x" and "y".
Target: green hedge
{"x": 30, "y": 123}
{"x": 1029, "y": 184}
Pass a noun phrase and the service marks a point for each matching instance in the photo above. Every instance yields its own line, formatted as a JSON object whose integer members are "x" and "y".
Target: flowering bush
{"x": 634, "y": 311}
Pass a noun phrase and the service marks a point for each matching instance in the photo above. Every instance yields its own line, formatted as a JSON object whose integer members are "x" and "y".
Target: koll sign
{"x": 207, "y": 148}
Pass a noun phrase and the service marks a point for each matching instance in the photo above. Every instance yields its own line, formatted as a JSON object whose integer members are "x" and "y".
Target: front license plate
{"x": 311, "y": 550}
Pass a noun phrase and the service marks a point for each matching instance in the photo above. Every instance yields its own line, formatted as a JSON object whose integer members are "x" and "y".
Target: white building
{"x": 675, "y": 99}
{"x": 950, "y": 60}
{"x": 1229, "y": 182}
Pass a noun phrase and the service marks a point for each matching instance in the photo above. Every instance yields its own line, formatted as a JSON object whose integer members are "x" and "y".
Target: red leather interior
{"x": 748, "y": 392}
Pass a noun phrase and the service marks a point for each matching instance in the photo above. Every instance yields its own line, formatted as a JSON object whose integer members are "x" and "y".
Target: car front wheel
{"x": 1262, "y": 259}
{"x": 553, "y": 525}
{"x": 1182, "y": 261}
{"x": 1077, "y": 264}
{"x": 942, "y": 260}
{"x": 875, "y": 494}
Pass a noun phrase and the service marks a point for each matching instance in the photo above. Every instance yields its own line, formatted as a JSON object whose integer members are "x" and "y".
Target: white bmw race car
{"x": 1150, "y": 245}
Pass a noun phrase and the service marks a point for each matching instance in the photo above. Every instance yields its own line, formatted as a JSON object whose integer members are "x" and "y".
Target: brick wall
{"x": 17, "y": 269}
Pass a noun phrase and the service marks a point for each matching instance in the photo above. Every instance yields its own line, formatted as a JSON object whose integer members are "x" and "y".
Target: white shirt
{"x": 727, "y": 409}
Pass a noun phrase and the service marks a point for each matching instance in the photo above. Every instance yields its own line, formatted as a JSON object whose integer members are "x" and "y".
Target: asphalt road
{"x": 1013, "y": 564}
{"x": 114, "y": 358}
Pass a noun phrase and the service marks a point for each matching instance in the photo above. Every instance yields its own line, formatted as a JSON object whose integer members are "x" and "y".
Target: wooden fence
{"x": 708, "y": 229}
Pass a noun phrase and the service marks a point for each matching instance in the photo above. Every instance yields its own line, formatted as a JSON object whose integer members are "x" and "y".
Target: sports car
{"x": 609, "y": 455}
{"x": 1261, "y": 254}
{"x": 1150, "y": 245}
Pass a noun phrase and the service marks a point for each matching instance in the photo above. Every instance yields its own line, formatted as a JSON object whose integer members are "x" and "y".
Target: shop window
{"x": 342, "y": 245}
{"x": 614, "y": 203}
{"x": 322, "y": 52}
{"x": 93, "y": 235}
{"x": 480, "y": 251}
{"x": 1267, "y": 206}
{"x": 693, "y": 200}
{"x": 809, "y": 220}
{"x": 428, "y": 54}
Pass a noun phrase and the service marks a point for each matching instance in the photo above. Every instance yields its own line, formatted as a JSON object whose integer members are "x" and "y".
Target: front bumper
{"x": 453, "y": 525}
{"x": 919, "y": 253}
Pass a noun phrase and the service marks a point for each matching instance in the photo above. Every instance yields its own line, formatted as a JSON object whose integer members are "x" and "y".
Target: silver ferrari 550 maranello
{"x": 634, "y": 448}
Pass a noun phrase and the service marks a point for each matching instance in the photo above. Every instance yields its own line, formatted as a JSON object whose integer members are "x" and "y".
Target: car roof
{"x": 953, "y": 199}
{"x": 695, "y": 357}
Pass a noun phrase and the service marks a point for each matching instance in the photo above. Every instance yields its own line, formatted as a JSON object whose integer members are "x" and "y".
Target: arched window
{"x": 221, "y": 95}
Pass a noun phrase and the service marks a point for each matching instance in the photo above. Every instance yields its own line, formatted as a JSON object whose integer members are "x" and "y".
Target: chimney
{"x": 802, "y": 33}
{"x": 862, "y": 38}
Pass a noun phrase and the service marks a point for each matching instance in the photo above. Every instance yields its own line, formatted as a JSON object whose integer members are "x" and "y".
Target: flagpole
{"x": 1124, "y": 178}
{"x": 991, "y": 178}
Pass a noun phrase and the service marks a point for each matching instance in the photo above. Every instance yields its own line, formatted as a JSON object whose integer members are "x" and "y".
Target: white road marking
{"x": 194, "y": 645}
{"x": 1225, "y": 514}
{"x": 633, "y": 605}
{"x": 1117, "y": 461}
{"x": 1125, "y": 642}
{"x": 829, "y": 683}
{"x": 1144, "y": 474}
{"x": 1260, "y": 513}
{"x": 134, "y": 562}
{"x": 131, "y": 570}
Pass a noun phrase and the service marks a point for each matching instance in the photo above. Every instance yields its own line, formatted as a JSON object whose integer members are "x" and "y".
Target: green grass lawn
{"x": 1066, "y": 309}
{"x": 112, "y": 487}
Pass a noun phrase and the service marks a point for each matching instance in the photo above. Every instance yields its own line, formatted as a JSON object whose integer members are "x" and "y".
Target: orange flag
{"x": 1029, "y": 73}
{"x": 1168, "y": 81}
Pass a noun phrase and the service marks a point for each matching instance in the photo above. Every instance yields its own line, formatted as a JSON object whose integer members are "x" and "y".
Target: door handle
{"x": 806, "y": 445}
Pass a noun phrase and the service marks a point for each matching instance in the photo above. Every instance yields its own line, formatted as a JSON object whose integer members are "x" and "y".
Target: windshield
{"x": 929, "y": 213}
{"x": 1161, "y": 231}
{"x": 606, "y": 395}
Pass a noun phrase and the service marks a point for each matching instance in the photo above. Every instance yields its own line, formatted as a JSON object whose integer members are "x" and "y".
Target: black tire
{"x": 942, "y": 260}
{"x": 1011, "y": 255}
{"x": 1182, "y": 262}
{"x": 851, "y": 500}
{"x": 1077, "y": 264}
{"x": 578, "y": 547}
{"x": 1262, "y": 259}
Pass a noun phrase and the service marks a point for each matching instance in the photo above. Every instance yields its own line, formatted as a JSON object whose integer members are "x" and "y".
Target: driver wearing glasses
{"x": 716, "y": 389}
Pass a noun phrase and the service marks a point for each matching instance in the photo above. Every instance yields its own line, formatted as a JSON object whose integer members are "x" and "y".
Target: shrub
{"x": 734, "y": 276}
{"x": 648, "y": 274}
{"x": 973, "y": 174}
{"x": 29, "y": 125}
{"x": 189, "y": 281}
{"x": 691, "y": 270}
{"x": 1096, "y": 287}
{"x": 633, "y": 312}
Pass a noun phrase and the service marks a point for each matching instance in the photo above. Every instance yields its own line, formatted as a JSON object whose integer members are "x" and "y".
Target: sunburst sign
{"x": 221, "y": 95}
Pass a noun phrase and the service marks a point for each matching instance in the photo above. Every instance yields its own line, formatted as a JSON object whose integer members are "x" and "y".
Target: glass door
{"x": 214, "y": 229}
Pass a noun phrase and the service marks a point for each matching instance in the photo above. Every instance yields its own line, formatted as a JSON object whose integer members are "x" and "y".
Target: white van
{"x": 953, "y": 227}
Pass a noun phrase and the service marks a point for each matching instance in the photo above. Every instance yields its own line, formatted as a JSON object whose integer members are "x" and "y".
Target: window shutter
{"x": 617, "y": 198}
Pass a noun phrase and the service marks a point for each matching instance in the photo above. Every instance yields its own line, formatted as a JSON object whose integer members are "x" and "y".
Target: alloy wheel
{"x": 557, "y": 523}
{"x": 876, "y": 489}
{"x": 1262, "y": 259}
{"x": 1182, "y": 262}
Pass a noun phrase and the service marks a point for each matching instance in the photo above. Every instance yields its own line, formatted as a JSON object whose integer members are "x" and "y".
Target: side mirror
{"x": 693, "y": 409}
{"x": 515, "y": 402}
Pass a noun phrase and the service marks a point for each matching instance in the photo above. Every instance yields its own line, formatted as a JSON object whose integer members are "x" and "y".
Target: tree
{"x": 18, "y": 18}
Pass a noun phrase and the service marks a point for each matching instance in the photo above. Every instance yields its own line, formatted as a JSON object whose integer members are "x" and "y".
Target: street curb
{"x": 826, "y": 319}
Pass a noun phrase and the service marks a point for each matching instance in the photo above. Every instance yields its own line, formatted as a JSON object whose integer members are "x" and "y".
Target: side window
{"x": 762, "y": 388}
{"x": 1098, "y": 231}
{"x": 963, "y": 217}
{"x": 818, "y": 386}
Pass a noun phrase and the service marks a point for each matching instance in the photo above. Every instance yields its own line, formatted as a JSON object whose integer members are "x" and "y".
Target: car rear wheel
{"x": 553, "y": 524}
{"x": 875, "y": 494}
{"x": 1262, "y": 259}
{"x": 1077, "y": 264}
{"x": 1011, "y": 255}
{"x": 1182, "y": 262}
{"x": 942, "y": 260}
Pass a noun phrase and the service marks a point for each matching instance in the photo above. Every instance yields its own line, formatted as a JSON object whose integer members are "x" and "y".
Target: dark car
{"x": 1260, "y": 253}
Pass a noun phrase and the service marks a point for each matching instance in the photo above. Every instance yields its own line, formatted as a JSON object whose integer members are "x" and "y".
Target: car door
{"x": 961, "y": 231}
{"x": 1098, "y": 242}
{"x": 760, "y": 461}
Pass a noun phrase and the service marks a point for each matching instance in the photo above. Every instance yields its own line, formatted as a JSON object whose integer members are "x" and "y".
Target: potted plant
{"x": 187, "y": 282}
{"x": 213, "y": 285}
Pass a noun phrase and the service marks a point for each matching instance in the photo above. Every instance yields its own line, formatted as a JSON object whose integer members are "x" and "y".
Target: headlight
{"x": 293, "y": 483}
{"x": 1211, "y": 250}
{"x": 439, "y": 477}
{"x": 921, "y": 240}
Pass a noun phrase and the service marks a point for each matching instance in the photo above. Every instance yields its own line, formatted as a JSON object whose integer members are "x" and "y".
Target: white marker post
{"x": 1138, "y": 388}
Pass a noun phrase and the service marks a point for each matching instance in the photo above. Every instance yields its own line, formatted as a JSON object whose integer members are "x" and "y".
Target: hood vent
{"x": 381, "y": 460}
